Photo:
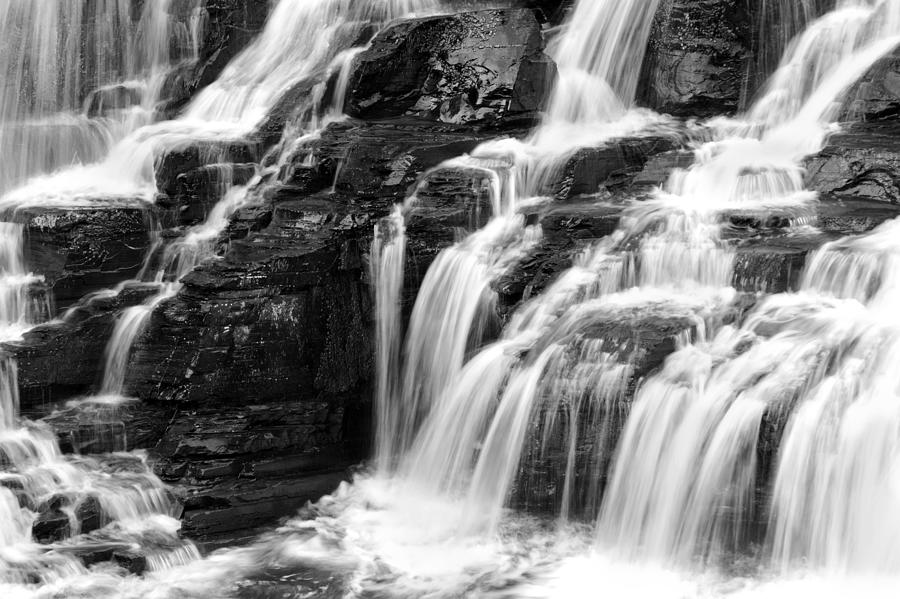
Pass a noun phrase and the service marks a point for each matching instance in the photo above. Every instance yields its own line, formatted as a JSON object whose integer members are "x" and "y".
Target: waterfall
{"x": 599, "y": 59}
{"x": 596, "y": 85}
{"x": 310, "y": 38}
{"x": 300, "y": 38}
{"x": 386, "y": 265}
{"x": 683, "y": 482}
{"x": 79, "y": 77}
{"x": 133, "y": 505}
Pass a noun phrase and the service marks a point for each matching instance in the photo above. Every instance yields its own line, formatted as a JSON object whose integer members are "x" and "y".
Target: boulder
{"x": 861, "y": 162}
{"x": 84, "y": 249}
{"x": 877, "y": 95}
{"x": 698, "y": 58}
{"x": 484, "y": 66}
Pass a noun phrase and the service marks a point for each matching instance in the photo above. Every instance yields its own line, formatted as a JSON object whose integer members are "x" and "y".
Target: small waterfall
{"x": 386, "y": 266}
{"x": 300, "y": 38}
{"x": 599, "y": 59}
{"x": 779, "y": 22}
{"x": 456, "y": 299}
{"x": 18, "y": 309}
{"x": 129, "y": 325}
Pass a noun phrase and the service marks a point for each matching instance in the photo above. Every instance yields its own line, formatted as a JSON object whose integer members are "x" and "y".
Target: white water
{"x": 683, "y": 487}
{"x": 135, "y": 507}
{"x": 456, "y": 296}
{"x": 55, "y": 53}
{"x": 310, "y": 38}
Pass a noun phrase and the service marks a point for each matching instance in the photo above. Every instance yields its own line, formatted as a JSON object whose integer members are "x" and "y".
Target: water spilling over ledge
{"x": 449, "y": 298}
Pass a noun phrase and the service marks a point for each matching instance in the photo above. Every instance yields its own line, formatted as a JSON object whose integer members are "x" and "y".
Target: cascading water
{"x": 684, "y": 478}
{"x": 302, "y": 41}
{"x": 686, "y": 482}
{"x": 313, "y": 40}
{"x": 589, "y": 105}
{"x": 79, "y": 77}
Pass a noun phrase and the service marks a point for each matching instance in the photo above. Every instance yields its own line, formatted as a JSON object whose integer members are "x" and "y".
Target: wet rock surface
{"x": 281, "y": 329}
{"x": 241, "y": 467}
{"x": 698, "y": 58}
{"x": 80, "y": 250}
{"x": 860, "y": 162}
{"x": 877, "y": 95}
{"x": 463, "y": 68}
{"x": 63, "y": 359}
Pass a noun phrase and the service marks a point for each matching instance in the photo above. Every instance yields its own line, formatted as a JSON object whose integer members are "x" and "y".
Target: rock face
{"x": 80, "y": 250}
{"x": 62, "y": 359}
{"x": 279, "y": 335}
{"x": 862, "y": 162}
{"x": 228, "y": 27}
{"x": 463, "y": 68}
{"x": 877, "y": 95}
{"x": 698, "y": 59}
{"x": 256, "y": 377}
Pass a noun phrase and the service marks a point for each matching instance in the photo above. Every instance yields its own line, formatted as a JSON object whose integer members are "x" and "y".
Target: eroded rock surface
{"x": 463, "y": 68}
{"x": 698, "y": 58}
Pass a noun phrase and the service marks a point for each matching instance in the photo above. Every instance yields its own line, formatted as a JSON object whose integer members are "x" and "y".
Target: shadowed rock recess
{"x": 255, "y": 377}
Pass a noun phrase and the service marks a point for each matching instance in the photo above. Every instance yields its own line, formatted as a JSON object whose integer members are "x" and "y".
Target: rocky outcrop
{"x": 83, "y": 249}
{"x": 464, "y": 68}
{"x": 698, "y": 58}
{"x": 862, "y": 162}
{"x": 239, "y": 467}
{"x": 877, "y": 95}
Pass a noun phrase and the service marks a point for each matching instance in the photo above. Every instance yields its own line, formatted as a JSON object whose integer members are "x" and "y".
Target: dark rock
{"x": 53, "y": 524}
{"x": 468, "y": 67}
{"x": 245, "y": 466}
{"x": 877, "y": 94}
{"x": 658, "y": 168}
{"x": 132, "y": 561}
{"x": 177, "y": 162}
{"x": 97, "y": 428}
{"x": 112, "y": 98}
{"x": 50, "y": 526}
{"x": 611, "y": 166}
{"x": 199, "y": 190}
{"x": 245, "y": 504}
{"x": 59, "y": 360}
{"x": 698, "y": 58}
{"x": 862, "y": 162}
{"x": 80, "y": 250}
